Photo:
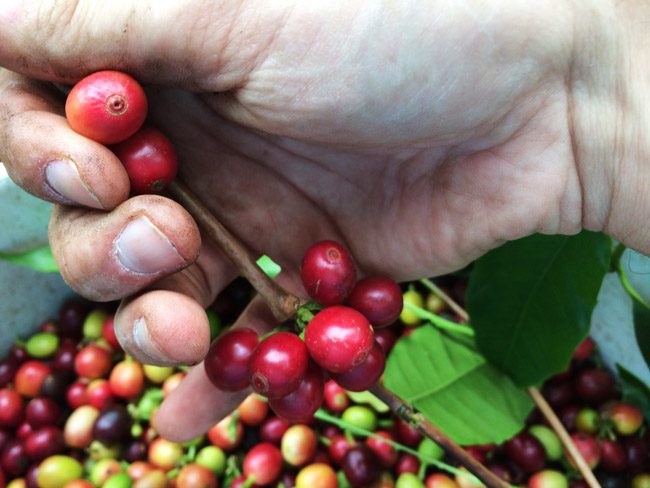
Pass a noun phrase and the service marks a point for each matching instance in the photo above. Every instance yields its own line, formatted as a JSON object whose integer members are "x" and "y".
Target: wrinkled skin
{"x": 419, "y": 134}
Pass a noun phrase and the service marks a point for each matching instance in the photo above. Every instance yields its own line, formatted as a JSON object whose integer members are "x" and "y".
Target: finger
{"x": 168, "y": 325}
{"x": 197, "y": 394}
{"x": 46, "y": 157}
{"x": 106, "y": 256}
{"x": 163, "y": 328}
{"x": 189, "y": 44}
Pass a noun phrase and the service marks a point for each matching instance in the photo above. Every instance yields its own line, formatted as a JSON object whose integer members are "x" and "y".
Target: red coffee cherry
{"x": 327, "y": 272}
{"x": 365, "y": 374}
{"x": 339, "y": 338}
{"x": 149, "y": 159}
{"x": 107, "y": 107}
{"x": 300, "y": 405}
{"x": 278, "y": 365}
{"x": 379, "y": 298}
{"x": 226, "y": 363}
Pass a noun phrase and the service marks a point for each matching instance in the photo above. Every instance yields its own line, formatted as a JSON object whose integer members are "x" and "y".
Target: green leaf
{"x": 635, "y": 391}
{"x": 530, "y": 301}
{"x": 641, "y": 315}
{"x": 454, "y": 386}
{"x": 270, "y": 267}
{"x": 39, "y": 259}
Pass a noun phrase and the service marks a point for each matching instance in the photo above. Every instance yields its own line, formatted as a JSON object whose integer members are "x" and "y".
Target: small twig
{"x": 284, "y": 306}
{"x": 539, "y": 400}
{"x": 460, "y": 311}
{"x": 565, "y": 438}
{"x": 430, "y": 430}
{"x": 356, "y": 430}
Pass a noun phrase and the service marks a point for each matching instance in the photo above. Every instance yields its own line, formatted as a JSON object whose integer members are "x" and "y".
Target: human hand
{"x": 420, "y": 135}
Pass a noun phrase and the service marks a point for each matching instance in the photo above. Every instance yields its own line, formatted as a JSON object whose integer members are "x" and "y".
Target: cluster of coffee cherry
{"x": 339, "y": 340}
{"x": 110, "y": 107}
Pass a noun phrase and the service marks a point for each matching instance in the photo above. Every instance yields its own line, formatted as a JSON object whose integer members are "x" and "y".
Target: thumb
{"x": 199, "y": 45}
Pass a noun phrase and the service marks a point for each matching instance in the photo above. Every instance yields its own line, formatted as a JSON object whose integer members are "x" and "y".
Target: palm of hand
{"x": 403, "y": 211}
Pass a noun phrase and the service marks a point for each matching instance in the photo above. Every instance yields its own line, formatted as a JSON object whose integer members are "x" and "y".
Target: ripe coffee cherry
{"x": 378, "y": 298}
{"x": 339, "y": 338}
{"x": 126, "y": 379}
{"x": 406, "y": 433}
{"x": 11, "y": 408}
{"x": 149, "y": 159}
{"x": 92, "y": 362}
{"x": 278, "y": 365}
{"x": 14, "y": 460}
{"x": 407, "y": 463}
{"x": 44, "y": 442}
{"x": 227, "y": 434}
{"x": 113, "y": 425}
{"x": 300, "y": 405}
{"x": 364, "y": 375}
{"x": 55, "y": 385}
{"x": 226, "y": 363}
{"x": 8, "y": 368}
{"x": 637, "y": 452}
{"x": 595, "y": 385}
{"x": 273, "y": 429}
{"x": 328, "y": 273}
{"x": 42, "y": 411}
{"x": 336, "y": 399}
{"x": 558, "y": 393}
{"x": 71, "y": 318}
{"x": 440, "y": 480}
{"x": 30, "y": 377}
{"x": 338, "y": 447}
{"x": 263, "y": 463}
{"x": 193, "y": 475}
{"x": 587, "y": 446}
{"x": 361, "y": 466}
{"x": 526, "y": 452}
{"x": 386, "y": 339}
{"x": 253, "y": 410}
{"x": 384, "y": 451}
{"x": 613, "y": 457}
{"x": 107, "y": 106}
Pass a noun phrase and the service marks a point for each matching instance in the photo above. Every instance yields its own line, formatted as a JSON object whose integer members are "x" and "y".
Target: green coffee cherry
{"x": 42, "y": 345}
{"x": 549, "y": 440}
{"x": 407, "y": 316}
{"x": 361, "y": 417}
{"x": 409, "y": 480}
{"x": 118, "y": 480}
{"x": 92, "y": 328}
{"x": 212, "y": 458}
{"x": 56, "y": 471}
{"x": 430, "y": 449}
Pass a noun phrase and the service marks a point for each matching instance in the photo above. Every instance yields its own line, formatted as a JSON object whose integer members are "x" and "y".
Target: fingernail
{"x": 146, "y": 344}
{"x": 142, "y": 248}
{"x": 64, "y": 179}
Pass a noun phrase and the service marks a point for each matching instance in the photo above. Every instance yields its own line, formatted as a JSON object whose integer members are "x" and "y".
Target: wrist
{"x": 608, "y": 104}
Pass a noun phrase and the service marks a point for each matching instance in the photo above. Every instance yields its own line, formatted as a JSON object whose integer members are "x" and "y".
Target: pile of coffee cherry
{"x": 76, "y": 412}
{"x": 339, "y": 340}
